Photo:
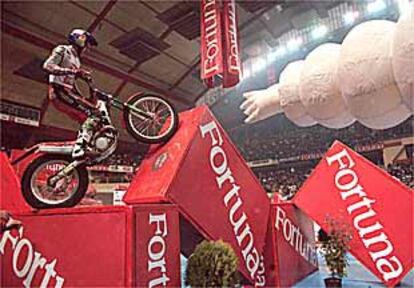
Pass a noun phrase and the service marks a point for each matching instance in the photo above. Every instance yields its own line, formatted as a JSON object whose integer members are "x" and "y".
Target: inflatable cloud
{"x": 403, "y": 57}
{"x": 319, "y": 88}
{"x": 367, "y": 79}
{"x": 289, "y": 95}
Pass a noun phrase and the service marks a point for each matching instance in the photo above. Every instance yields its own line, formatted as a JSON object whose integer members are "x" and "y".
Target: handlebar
{"x": 95, "y": 92}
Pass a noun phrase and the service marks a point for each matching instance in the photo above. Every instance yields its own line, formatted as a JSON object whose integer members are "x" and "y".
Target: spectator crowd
{"x": 259, "y": 145}
{"x": 287, "y": 181}
{"x": 124, "y": 160}
{"x": 403, "y": 172}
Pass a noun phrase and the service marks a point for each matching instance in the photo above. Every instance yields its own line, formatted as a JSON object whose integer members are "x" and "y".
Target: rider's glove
{"x": 81, "y": 73}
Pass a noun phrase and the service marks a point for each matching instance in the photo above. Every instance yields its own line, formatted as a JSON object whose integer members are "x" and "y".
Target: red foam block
{"x": 103, "y": 246}
{"x": 202, "y": 172}
{"x": 11, "y": 198}
{"x": 290, "y": 253}
{"x": 377, "y": 208}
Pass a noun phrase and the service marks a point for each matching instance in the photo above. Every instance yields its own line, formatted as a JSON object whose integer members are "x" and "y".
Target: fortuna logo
{"x": 295, "y": 238}
{"x": 160, "y": 161}
{"x": 32, "y": 262}
{"x": 360, "y": 208}
{"x": 156, "y": 250}
{"x": 241, "y": 228}
{"x": 211, "y": 36}
{"x": 233, "y": 58}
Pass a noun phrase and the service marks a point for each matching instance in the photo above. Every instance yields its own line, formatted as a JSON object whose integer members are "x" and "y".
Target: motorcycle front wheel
{"x": 159, "y": 127}
{"x": 67, "y": 192}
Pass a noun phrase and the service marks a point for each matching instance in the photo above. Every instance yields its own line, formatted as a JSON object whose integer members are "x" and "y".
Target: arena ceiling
{"x": 143, "y": 45}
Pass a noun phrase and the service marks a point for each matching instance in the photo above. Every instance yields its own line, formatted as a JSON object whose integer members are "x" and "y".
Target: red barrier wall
{"x": 10, "y": 195}
{"x": 201, "y": 172}
{"x": 93, "y": 247}
{"x": 290, "y": 253}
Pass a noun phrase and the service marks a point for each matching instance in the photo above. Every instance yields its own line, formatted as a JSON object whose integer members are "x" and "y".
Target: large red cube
{"x": 202, "y": 172}
{"x": 290, "y": 253}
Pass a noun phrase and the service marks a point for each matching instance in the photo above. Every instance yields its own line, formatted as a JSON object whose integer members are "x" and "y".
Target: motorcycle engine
{"x": 105, "y": 141}
{"x": 102, "y": 143}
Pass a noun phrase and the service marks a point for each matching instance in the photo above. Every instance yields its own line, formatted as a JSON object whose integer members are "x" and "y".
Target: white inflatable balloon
{"x": 366, "y": 76}
{"x": 261, "y": 104}
{"x": 319, "y": 88}
{"x": 403, "y": 57}
{"x": 289, "y": 95}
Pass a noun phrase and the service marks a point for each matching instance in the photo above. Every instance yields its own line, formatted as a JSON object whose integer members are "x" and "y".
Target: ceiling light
{"x": 350, "y": 17}
{"x": 404, "y": 8}
{"x": 376, "y": 6}
{"x": 319, "y": 32}
{"x": 246, "y": 74}
{"x": 279, "y": 52}
{"x": 258, "y": 64}
{"x": 294, "y": 44}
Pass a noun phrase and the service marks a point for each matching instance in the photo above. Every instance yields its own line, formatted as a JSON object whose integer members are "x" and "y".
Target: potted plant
{"x": 334, "y": 245}
{"x": 212, "y": 264}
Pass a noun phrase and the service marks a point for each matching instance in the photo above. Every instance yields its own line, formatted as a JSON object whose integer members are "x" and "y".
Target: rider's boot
{"x": 81, "y": 145}
{"x": 81, "y": 148}
{"x": 103, "y": 113}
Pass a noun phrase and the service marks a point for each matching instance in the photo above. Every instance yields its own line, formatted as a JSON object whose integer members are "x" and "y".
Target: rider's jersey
{"x": 66, "y": 57}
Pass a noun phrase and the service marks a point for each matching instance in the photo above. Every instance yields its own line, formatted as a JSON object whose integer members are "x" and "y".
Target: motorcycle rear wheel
{"x": 156, "y": 130}
{"x": 35, "y": 187}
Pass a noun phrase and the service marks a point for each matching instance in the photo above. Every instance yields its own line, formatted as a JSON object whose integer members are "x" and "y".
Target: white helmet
{"x": 81, "y": 38}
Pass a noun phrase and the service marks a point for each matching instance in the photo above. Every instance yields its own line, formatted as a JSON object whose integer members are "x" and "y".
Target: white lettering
{"x": 392, "y": 273}
{"x": 234, "y": 203}
{"x": 157, "y": 248}
{"x": 342, "y": 173}
{"x": 209, "y": 128}
{"x": 38, "y": 261}
{"x": 291, "y": 233}
{"x": 338, "y": 157}
{"x": 346, "y": 180}
{"x": 222, "y": 167}
{"x": 29, "y": 258}
{"x": 159, "y": 219}
{"x": 26, "y": 261}
{"x": 211, "y": 37}
{"x": 156, "y": 255}
{"x": 234, "y": 59}
{"x": 50, "y": 272}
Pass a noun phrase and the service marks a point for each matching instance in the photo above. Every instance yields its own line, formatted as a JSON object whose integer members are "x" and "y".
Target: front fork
{"x": 142, "y": 115}
{"x": 65, "y": 172}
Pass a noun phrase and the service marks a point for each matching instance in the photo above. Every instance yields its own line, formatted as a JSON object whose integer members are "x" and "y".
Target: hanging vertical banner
{"x": 232, "y": 63}
{"x": 220, "y": 53}
{"x": 211, "y": 45}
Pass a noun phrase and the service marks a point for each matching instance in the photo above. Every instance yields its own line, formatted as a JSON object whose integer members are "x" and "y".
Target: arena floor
{"x": 358, "y": 276}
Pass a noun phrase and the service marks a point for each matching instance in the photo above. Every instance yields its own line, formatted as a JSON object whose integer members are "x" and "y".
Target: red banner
{"x": 220, "y": 52}
{"x": 377, "y": 207}
{"x": 232, "y": 62}
{"x": 201, "y": 172}
{"x": 211, "y": 41}
{"x": 290, "y": 252}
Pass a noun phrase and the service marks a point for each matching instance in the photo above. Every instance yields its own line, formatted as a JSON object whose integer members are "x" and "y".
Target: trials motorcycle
{"x": 52, "y": 179}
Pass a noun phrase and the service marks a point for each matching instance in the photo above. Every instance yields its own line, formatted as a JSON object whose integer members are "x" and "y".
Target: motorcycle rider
{"x": 63, "y": 66}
